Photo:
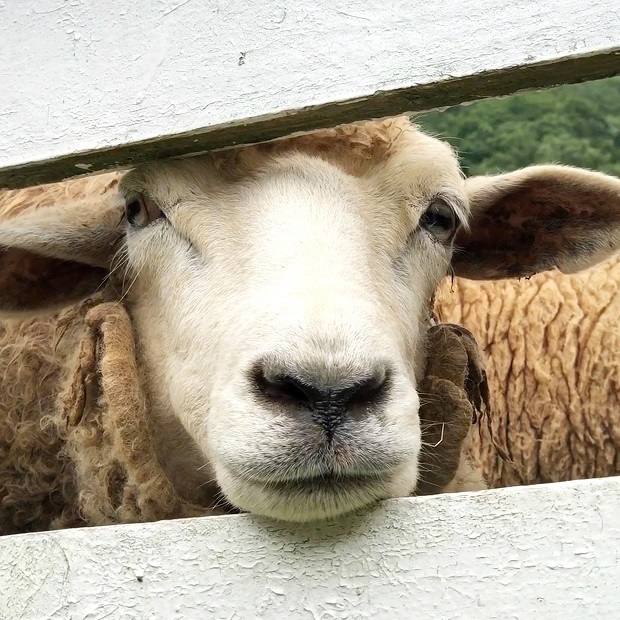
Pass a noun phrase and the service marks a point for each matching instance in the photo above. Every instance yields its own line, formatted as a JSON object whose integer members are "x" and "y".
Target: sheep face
{"x": 280, "y": 306}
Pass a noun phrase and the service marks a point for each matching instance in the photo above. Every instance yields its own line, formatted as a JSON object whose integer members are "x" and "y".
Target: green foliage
{"x": 577, "y": 125}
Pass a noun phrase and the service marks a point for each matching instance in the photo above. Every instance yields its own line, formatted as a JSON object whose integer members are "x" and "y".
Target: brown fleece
{"x": 552, "y": 347}
{"x": 75, "y": 445}
{"x": 454, "y": 395}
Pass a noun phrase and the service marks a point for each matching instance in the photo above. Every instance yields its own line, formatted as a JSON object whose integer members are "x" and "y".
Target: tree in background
{"x": 576, "y": 124}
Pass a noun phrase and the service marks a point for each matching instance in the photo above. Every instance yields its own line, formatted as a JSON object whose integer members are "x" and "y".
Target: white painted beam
{"x": 540, "y": 552}
{"x": 90, "y": 85}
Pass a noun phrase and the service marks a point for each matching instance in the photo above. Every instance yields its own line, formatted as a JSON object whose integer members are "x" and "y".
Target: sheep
{"x": 551, "y": 345}
{"x": 278, "y": 297}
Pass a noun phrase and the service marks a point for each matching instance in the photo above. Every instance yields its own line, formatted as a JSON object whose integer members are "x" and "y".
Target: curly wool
{"x": 36, "y": 480}
{"x": 75, "y": 443}
{"x": 552, "y": 347}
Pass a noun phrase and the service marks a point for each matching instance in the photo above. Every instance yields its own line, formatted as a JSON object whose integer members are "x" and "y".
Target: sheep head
{"x": 281, "y": 296}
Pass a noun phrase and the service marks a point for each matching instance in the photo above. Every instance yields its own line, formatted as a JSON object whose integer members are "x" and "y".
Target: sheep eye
{"x": 141, "y": 211}
{"x": 440, "y": 220}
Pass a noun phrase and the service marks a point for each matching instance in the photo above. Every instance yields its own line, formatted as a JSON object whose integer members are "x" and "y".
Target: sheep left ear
{"x": 57, "y": 254}
{"x": 536, "y": 219}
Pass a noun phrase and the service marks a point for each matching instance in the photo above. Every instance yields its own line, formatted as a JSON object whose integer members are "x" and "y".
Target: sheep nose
{"x": 330, "y": 404}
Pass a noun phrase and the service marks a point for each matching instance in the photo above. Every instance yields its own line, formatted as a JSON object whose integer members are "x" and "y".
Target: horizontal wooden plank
{"x": 549, "y": 551}
{"x": 91, "y": 85}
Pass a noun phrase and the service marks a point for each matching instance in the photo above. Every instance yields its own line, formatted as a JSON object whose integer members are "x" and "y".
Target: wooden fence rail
{"x": 90, "y": 85}
{"x": 542, "y": 552}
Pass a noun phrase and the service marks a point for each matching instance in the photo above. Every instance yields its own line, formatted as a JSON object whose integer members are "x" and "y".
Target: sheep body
{"x": 552, "y": 348}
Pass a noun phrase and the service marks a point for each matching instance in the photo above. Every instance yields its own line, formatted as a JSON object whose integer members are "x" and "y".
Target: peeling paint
{"x": 469, "y": 555}
{"x": 170, "y": 69}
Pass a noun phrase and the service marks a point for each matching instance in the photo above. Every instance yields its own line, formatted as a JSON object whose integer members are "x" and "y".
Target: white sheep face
{"x": 280, "y": 309}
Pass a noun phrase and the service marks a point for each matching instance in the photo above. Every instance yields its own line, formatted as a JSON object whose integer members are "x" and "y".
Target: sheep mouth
{"x": 328, "y": 466}
{"x": 311, "y": 496}
{"x": 303, "y": 482}
{"x": 314, "y": 498}
{"x": 333, "y": 489}
{"x": 324, "y": 482}
{"x": 321, "y": 475}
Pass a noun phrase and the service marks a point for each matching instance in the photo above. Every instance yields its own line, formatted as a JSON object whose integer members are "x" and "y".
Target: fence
{"x": 88, "y": 86}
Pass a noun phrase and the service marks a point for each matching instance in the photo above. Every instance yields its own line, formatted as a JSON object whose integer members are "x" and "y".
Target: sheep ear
{"x": 536, "y": 219}
{"x": 56, "y": 254}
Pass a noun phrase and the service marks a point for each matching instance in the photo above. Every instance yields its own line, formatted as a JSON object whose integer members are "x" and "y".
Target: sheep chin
{"x": 318, "y": 498}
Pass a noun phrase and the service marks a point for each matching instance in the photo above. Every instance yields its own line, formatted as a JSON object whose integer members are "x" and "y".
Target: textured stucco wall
{"x": 548, "y": 552}
{"x": 82, "y": 75}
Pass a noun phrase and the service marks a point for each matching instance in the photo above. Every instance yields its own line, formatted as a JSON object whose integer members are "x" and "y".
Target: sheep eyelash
{"x": 456, "y": 204}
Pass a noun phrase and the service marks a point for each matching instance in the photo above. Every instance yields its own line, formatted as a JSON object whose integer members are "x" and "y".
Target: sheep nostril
{"x": 368, "y": 390}
{"x": 284, "y": 388}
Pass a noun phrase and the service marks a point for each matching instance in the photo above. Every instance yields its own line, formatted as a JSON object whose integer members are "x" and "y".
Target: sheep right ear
{"x": 55, "y": 255}
{"x": 536, "y": 219}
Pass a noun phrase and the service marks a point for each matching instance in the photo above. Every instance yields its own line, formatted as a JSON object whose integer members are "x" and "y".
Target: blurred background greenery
{"x": 577, "y": 125}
